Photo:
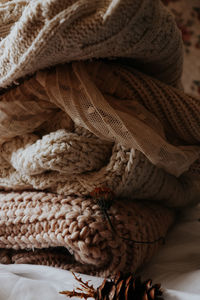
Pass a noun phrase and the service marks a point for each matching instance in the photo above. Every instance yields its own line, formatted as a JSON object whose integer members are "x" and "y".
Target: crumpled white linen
{"x": 176, "y": 266}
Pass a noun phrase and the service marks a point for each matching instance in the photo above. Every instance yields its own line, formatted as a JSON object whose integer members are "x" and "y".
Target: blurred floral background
{"x": 187, "y": 16}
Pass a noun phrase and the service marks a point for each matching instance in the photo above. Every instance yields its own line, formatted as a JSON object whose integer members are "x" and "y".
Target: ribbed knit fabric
{"x": 73, "y": 161}
{"x": 56, "y": 31}
{"x": 10, "y": 12}
{"x": 74, "y": 127}
{"x": 32, "y": 220}
{"x": 68, "y": 164}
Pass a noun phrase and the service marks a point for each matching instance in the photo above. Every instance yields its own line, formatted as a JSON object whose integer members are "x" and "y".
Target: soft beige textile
{"x": 56, "y": 31}
{"x": 67, "y": 159}
{"x": 75, "y": 127}
{"x": 38, "y": 220}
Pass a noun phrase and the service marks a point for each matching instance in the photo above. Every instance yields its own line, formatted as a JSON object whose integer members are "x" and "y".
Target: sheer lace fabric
{"x": 74, "y": 88}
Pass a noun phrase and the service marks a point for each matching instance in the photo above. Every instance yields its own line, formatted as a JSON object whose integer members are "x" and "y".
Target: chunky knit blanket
{"x": 69, "y": 129}
{"x": 43, "y": 220}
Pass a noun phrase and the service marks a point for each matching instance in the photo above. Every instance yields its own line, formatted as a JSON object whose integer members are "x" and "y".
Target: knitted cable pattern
{"x": 59, "y": 151}
{"x": 31, "y": 220}
{"x": 48, "y": 163}
{"x": 51, "y": 32}
{"x": 74, "y": 161}
{"x": 78, "y": 126}
{"x": 10, "y": 14}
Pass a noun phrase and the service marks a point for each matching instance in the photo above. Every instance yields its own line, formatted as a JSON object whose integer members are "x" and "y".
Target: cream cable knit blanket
{"x": 79, "y": 126}
{"x": 46, "y": 33}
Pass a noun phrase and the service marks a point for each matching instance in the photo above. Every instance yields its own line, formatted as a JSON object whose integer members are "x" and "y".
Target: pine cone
{"x": 127, "y": 288}
{"x": 121, "y": 288}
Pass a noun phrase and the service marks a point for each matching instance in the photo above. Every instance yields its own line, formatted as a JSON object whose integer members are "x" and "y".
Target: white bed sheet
{"x": 176, "y": 266}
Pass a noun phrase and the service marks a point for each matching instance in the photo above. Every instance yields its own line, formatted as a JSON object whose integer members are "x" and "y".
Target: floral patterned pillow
{"x": 187, "y": 15}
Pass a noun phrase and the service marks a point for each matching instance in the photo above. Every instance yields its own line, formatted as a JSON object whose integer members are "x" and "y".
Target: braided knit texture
{"x": 63, "y": 157}
{"x": 41, "y": 220}
{"x": 51, "y": 32}
{"x": 73, "y": 161}
{"x": 71, "y": 128}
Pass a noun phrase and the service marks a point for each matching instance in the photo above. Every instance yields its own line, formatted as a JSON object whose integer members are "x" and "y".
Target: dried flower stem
{"x": 104, "y": 198}
{"x": 88, "y": 291}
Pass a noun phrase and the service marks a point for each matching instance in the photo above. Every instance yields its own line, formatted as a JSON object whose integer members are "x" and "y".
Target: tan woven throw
{"x": 82, "y": 125}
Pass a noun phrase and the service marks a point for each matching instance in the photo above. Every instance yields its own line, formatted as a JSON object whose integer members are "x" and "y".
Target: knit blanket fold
{"x": 45, "y": 33}
{"x": 68, "y": 160}
{"x": 43, "y": 220}
{"x": 100, "y": 143}
{"x": 70, "y": 129}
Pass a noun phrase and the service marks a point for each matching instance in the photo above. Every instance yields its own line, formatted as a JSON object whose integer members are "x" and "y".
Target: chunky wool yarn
{"x": 74, "y": 127}
{"x": 84, "y": 152}
{"x": 31, "y": 220}
{"x": 51, "y": 32}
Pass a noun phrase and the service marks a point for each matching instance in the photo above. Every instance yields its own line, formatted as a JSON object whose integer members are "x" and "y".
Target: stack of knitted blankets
{"x": 92, "y": 122}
